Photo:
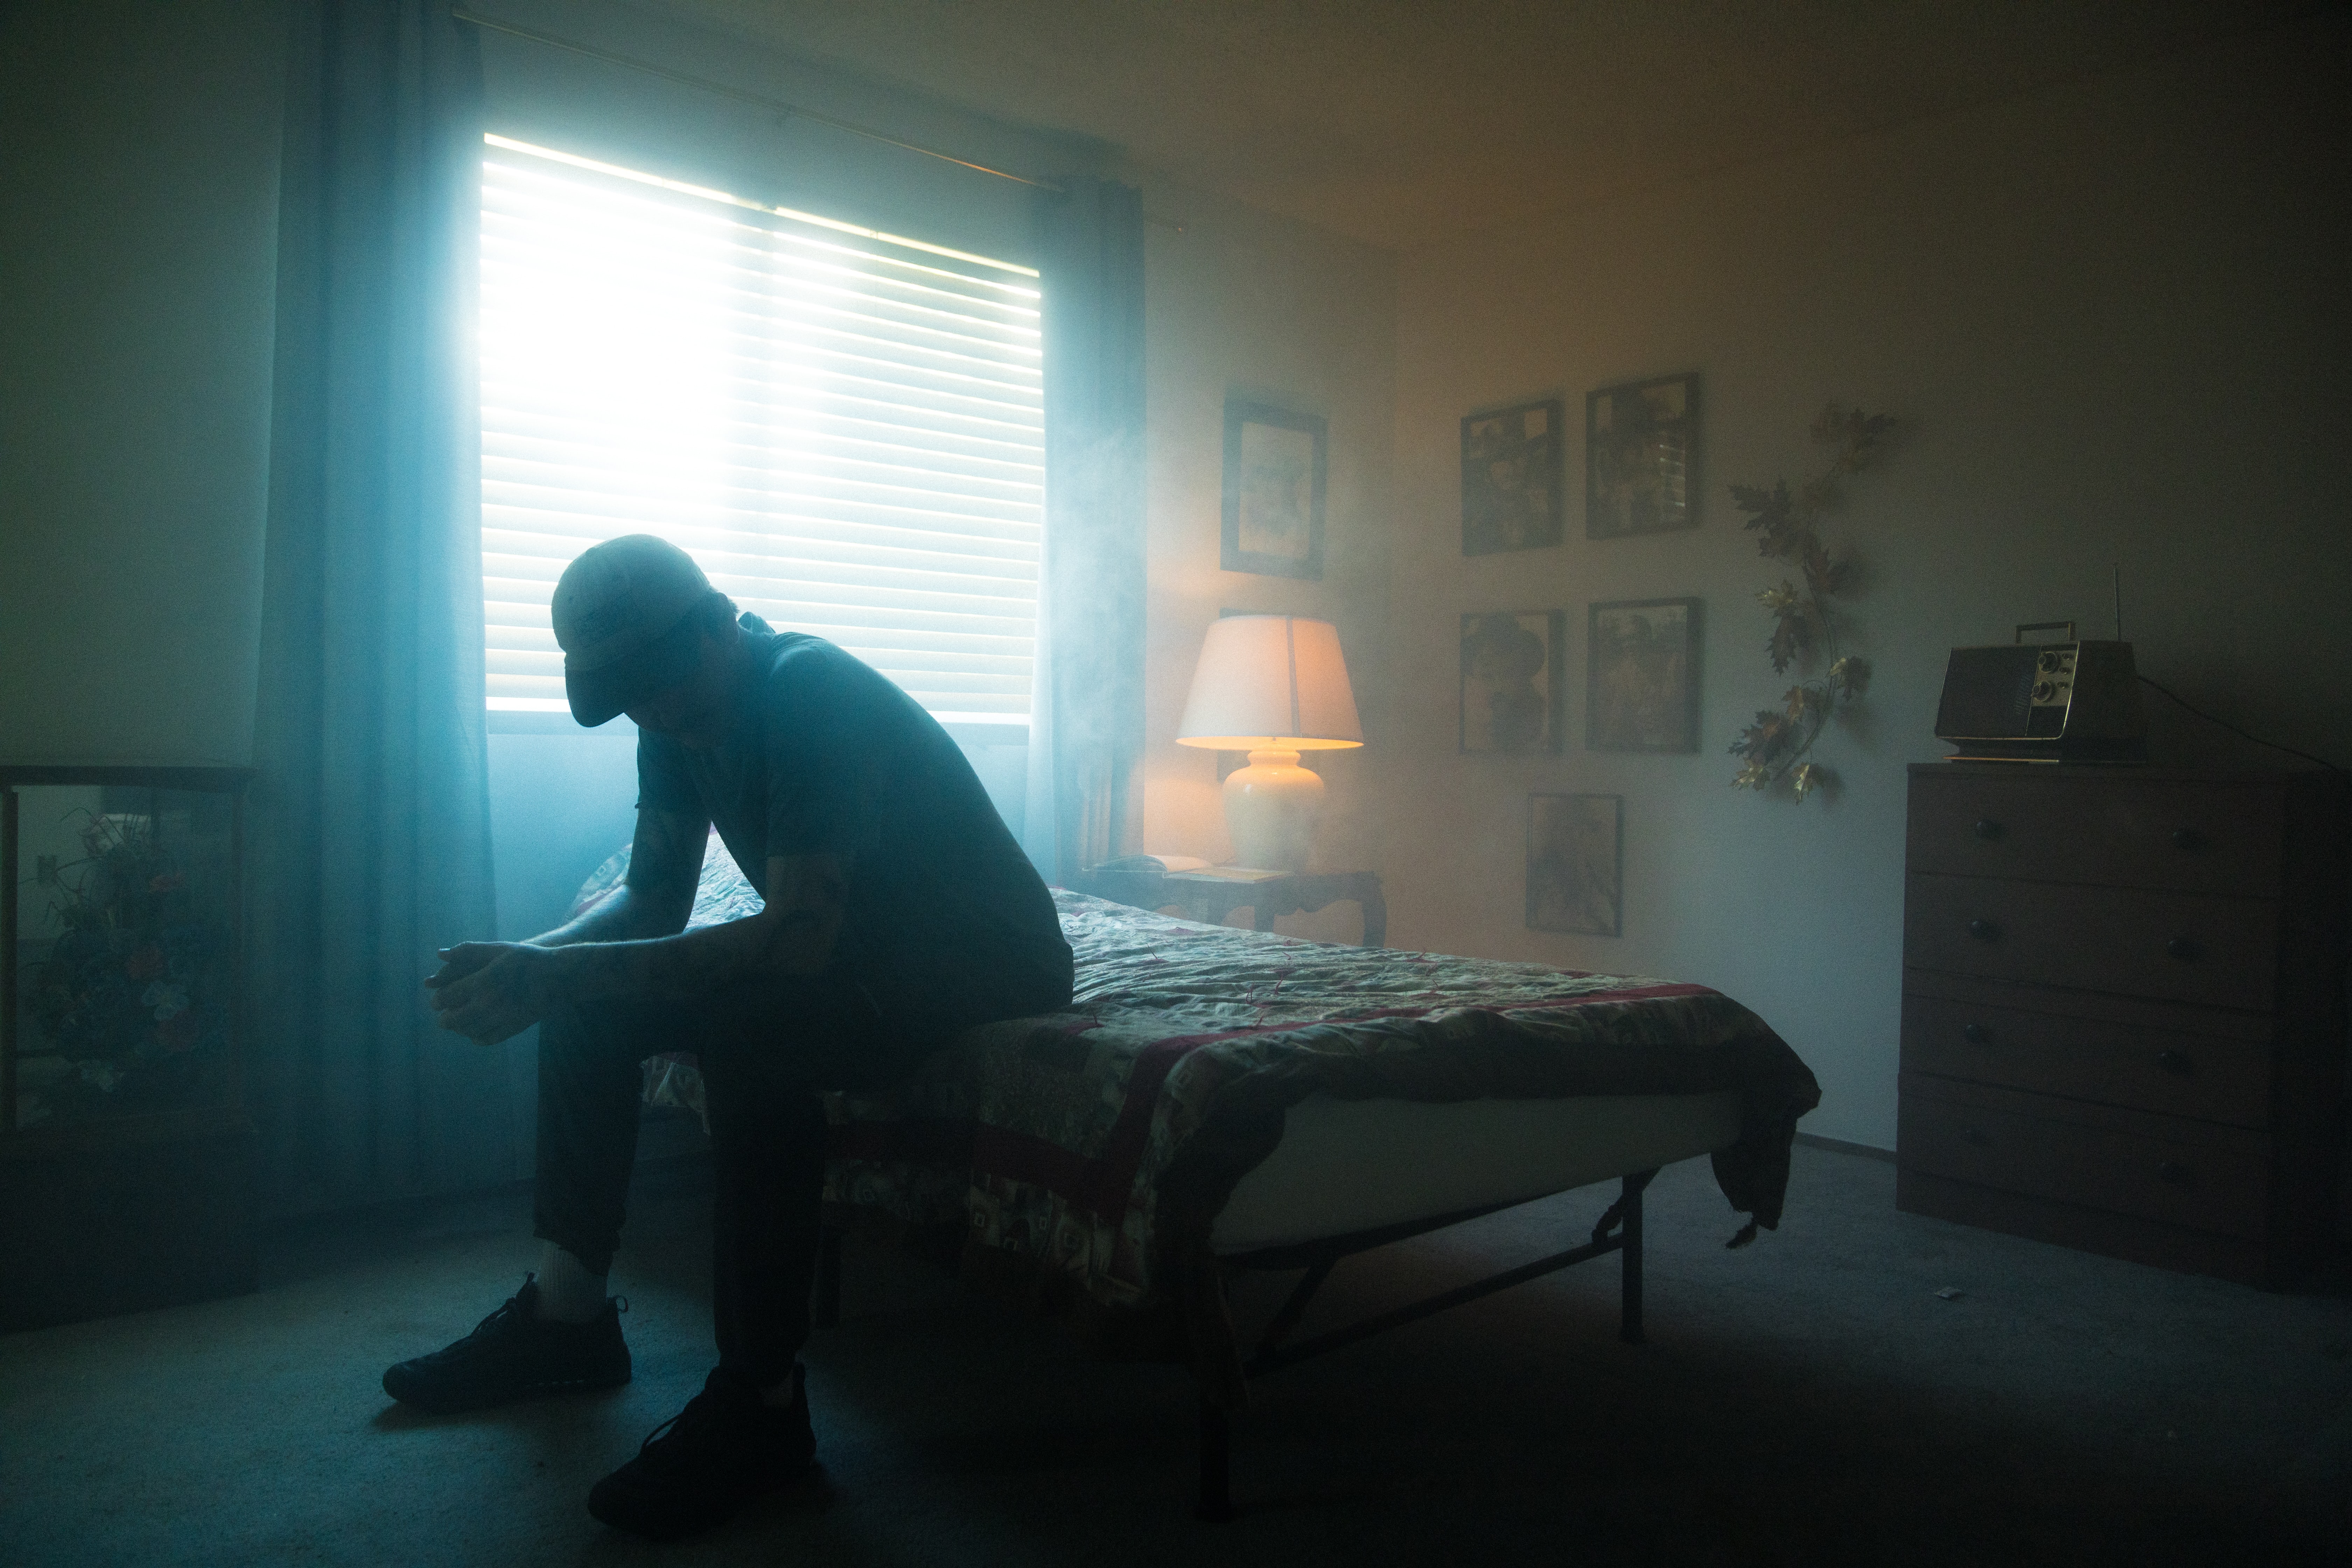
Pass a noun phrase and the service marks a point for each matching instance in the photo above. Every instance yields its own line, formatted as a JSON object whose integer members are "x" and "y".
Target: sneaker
{"x": 513, "y": 1354}
{"x": 726, "y": 1448}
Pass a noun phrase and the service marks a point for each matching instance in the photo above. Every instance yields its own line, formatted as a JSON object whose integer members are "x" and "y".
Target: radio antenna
{"x": 2119, "y": 601}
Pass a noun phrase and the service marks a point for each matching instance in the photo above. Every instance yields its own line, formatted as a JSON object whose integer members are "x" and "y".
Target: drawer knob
{"x": 2184, "y": 948}
{"x": 1976, "y": 1135}
{"x": 2173, "y": 1061}
{"x": 2188, "y": 839}
{"x": 2173, "y": 1171}
{"x": 1988, "y": 829}
{"x": 1974, "y": 1034}
{"x": 1983, "y": 931}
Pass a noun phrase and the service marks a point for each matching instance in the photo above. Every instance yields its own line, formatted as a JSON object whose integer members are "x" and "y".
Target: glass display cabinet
{"x": 125, "y": 1147}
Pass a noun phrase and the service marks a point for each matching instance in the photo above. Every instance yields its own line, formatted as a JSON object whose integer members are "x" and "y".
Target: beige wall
{"x": 1257, "y": 307}
{"x": 137, "y": 259}
{"x": 2114, "y": 315}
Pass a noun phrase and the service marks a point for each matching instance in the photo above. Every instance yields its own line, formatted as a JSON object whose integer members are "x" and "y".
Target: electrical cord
{"x": 2257, "y": 739}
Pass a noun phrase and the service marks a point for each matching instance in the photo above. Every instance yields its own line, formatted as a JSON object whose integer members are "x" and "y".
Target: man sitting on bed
{"x": 899, "y": 912}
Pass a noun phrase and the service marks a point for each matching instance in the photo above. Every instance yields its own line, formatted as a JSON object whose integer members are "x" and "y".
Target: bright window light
{"x": 844, "y": 427}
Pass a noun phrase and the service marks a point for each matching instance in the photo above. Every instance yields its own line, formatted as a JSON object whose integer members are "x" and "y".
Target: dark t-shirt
{"x": 946, "y": 923}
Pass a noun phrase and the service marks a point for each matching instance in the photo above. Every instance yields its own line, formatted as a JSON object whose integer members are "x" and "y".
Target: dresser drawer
{"x": 2182, "y": 947}
{"x": 2171, "y": 1072}
{"x": 2180, "y": 1173}
{"x": 2110, "y": 829}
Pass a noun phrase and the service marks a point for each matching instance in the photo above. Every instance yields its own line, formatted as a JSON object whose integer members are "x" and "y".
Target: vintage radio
{"x": 2065, "y": 701}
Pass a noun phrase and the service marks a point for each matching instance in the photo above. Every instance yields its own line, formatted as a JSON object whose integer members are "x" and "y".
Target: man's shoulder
{"x": 796, "y": 659}
{"x": 807, "y": 678}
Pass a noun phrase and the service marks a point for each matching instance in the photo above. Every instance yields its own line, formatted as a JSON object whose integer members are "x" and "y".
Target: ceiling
{"x": 1398, "y": 122}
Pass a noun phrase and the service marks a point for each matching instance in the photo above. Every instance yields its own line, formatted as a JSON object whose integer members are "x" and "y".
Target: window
{"x": 844, "y": 427}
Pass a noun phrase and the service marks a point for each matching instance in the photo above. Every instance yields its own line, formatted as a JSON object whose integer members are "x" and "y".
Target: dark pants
{"x": 764, "y": 1057}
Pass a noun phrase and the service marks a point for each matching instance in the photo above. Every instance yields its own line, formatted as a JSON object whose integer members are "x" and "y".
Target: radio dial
{"x": 2049, "y": 662}
{"x": 2044, "y": 690}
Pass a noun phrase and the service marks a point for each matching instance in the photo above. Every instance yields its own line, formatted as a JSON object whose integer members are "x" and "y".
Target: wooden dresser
{"x": 2124, "y": 1010}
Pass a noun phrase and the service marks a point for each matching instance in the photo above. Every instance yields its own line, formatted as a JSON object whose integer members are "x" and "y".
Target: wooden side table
{"x": 1206, "y": 896}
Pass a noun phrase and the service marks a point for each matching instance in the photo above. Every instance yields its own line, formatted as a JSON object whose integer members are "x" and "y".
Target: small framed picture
{"x": 1641, "y": 676}
{"x": 1641, "y": 457}
{"x": 1511, "y": 681}
{"x": 1274, "y": 466}
{"x": 1511, "y": 479}
{"x": 1576, "y": 863}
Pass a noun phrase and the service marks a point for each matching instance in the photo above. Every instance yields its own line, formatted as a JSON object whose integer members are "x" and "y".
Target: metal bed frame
{"x": 1618, "y": 1231}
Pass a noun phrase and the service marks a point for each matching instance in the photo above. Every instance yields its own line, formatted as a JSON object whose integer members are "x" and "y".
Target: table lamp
{"x": 1272, "y": 686}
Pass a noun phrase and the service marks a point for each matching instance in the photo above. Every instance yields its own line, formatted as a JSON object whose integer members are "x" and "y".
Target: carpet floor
{"x": 1809, "y": 1399}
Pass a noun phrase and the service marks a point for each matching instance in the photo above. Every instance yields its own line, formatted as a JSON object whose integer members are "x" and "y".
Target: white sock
{"x": 568, "y": 1293}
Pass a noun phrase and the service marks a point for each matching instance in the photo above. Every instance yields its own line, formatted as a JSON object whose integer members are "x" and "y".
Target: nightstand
{"x": 1209, "y": 897}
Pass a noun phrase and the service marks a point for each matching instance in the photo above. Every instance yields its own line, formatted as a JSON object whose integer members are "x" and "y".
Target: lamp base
{"x": 1271, "y": 808}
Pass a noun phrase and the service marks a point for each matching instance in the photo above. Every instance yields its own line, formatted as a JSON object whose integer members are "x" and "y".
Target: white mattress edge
{"x": 1345, "y": 1166}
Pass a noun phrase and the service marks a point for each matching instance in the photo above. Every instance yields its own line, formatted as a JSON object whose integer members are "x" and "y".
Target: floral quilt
{"x": 1086, "y": 1153}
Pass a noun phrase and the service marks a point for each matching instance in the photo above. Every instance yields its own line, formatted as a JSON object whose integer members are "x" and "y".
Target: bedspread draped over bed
{"x": 1086, "y": 1153}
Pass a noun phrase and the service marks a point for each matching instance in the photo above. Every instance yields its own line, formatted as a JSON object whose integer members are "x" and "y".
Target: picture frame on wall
{"x": 1513, "y": 491}
{"x": 1641, "y": 676}
{"x": 1276, "y": 462}
{"x": 1512, "y": 684}
{"x": 1576, "y": 864}
{"x": 1641, "y": 457}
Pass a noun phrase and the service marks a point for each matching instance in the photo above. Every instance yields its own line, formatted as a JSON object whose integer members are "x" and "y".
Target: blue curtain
{"x": 372, "y": 844}
{"x": 1085, "y": 739}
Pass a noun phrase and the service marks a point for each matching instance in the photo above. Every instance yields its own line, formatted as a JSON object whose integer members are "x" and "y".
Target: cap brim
{"x": 597, "y": 696}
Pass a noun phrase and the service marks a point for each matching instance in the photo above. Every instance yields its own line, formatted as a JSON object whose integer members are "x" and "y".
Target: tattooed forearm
{"x": 794, "y": 934}
{"x": 634, "y": 945}
{"x": 657, "y": 896}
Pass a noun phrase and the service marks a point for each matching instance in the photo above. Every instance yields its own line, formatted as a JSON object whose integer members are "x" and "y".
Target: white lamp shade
{"x": 1271, "y": 682}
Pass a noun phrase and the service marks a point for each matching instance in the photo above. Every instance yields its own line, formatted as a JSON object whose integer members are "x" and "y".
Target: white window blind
{"x": 845, "y": 428}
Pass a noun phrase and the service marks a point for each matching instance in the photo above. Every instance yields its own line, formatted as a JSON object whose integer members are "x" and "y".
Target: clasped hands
{"x": 493, "y": 991}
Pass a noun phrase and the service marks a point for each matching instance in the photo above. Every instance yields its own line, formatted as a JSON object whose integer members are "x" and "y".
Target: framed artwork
{"x": 1576, "y": 863}
{"x": 1641, "y": 457}
{"x": 1274, "y": 466}
{"x": 1511, "y": 681}
{"x": 1641, "y": 676}
{"x": 1512, "y": 490}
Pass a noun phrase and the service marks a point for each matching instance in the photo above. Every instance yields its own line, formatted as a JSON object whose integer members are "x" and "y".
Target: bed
{"x": 1217, "y": 1099}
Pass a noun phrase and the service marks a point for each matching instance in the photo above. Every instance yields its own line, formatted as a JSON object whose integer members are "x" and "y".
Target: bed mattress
{"x": 1349, "y": 1165}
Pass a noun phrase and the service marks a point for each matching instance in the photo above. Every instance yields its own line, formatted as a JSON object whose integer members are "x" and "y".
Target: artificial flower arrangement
{"x": 1777, "y": 747}
{"x": 134, "y": 995}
